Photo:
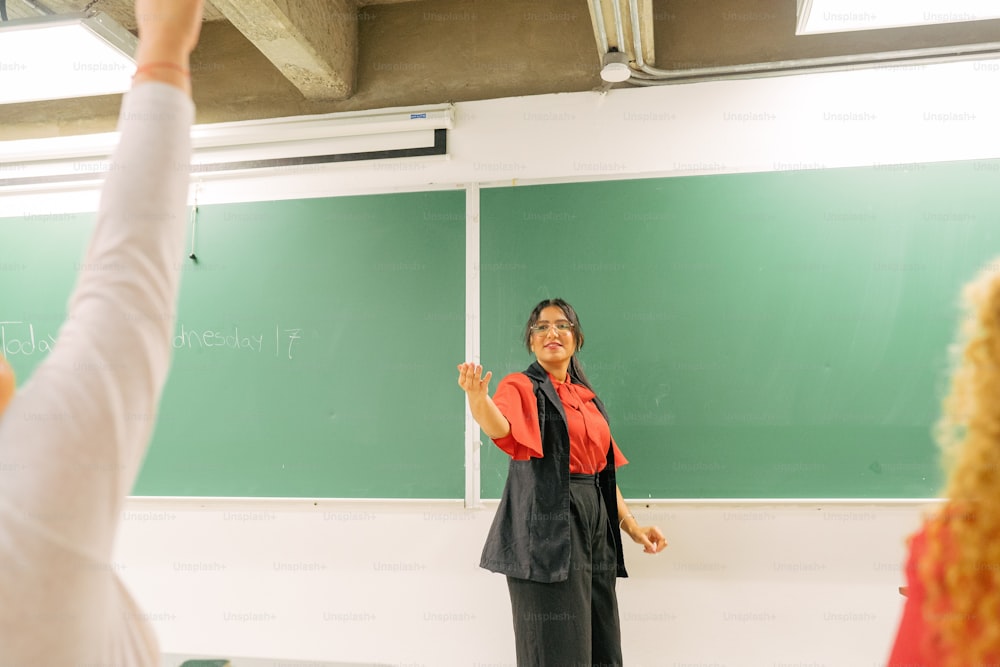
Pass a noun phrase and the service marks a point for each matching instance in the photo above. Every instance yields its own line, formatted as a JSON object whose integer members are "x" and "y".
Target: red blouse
{"x": 589, "y": 433}
{"x": 908, "y": 649}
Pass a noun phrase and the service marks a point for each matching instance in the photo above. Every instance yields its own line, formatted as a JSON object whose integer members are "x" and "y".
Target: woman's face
{"x": 554, "y": 346}
{"x": 6, "y": 384}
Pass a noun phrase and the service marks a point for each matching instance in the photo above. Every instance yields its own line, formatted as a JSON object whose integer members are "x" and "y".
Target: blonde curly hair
{"x": 961, "y": 566}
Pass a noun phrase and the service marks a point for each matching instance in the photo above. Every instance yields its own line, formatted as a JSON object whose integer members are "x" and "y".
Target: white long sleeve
{"x": 73, "y": 438}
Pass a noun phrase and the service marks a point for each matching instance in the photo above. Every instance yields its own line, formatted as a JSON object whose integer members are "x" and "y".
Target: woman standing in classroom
{"x": 552, "y": 535}
{"x": 952, "y": 613}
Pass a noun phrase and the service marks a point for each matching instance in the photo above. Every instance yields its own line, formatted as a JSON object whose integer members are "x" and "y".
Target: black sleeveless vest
{"x": 529, "y": 538}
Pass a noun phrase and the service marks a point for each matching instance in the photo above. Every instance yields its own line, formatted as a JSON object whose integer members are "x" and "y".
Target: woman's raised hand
{"x": 472, "y": 381}
{"x": 169, "y": 27}
{"x": 168, "y": 33}
{"x": 483, "y": 409}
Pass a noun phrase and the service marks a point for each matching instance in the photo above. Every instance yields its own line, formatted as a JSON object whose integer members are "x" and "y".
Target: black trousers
{"x": 573, "y": 623}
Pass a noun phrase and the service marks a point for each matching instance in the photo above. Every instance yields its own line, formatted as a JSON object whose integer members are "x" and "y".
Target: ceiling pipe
{"x": 643, "y": 74}
{"x": 909, "y": 58}
{"x": 615, "y": 64}
{"x": 602, "y": 33}
{"x": 39, "y": 7}
{"x": 620, "y": 25}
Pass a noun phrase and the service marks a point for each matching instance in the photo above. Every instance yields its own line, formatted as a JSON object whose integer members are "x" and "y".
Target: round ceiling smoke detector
{"x": 616, "y": 67}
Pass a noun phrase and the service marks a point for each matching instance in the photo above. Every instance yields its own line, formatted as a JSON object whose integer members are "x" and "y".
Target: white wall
{"x": 742, "y": 584}
{"x": 883, "y": 116}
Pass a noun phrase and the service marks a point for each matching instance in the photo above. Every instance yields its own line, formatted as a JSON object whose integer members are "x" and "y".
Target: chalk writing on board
{"x": 20, "y": 338}
{"x": 237, "y": 339}
{"x": 233, "y": 339}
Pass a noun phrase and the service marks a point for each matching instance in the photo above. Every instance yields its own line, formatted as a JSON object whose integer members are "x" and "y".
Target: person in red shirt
{"x": 552, "y": 535}
{"x": 951, "y": 617}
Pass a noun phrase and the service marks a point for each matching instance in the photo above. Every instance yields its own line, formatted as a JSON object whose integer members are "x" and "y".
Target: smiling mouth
{"x": 553, "y": 346}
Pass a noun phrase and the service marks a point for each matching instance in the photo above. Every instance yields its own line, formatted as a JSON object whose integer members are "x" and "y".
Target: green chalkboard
{"x": 315, "y": 346}
{"x": 769, "y": 335}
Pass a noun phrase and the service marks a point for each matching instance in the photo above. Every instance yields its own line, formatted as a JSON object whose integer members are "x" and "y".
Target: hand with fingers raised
{"x": 472, "y": 381}
{"x": 476, "y": 387}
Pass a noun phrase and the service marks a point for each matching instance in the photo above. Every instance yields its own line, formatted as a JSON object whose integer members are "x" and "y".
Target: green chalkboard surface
{"x": 315, "y": 345}
{"x": 771, "y": 335}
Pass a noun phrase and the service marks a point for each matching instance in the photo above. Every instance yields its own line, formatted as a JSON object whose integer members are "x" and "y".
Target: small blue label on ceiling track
{"x": 417, "y": 115}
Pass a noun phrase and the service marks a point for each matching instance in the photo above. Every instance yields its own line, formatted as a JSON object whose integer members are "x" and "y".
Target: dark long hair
{"x": 575, "y": 368}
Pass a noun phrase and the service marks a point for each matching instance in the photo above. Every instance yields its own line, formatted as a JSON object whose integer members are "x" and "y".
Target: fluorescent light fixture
{"x": 822, "y": 16}
{"x": 63, "y": 56}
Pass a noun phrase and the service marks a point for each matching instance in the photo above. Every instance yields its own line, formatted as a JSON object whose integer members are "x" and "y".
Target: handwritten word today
{"x": 19, "y": 338}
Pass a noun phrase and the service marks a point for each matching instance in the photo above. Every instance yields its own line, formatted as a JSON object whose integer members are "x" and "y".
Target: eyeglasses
{"x": 560, "y": 327}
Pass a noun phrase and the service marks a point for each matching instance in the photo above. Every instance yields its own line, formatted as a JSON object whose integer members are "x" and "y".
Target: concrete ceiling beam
{"x": 313, "y": 43}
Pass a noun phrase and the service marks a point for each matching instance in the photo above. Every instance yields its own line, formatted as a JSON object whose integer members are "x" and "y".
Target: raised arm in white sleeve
{"x": 74, "y": 436}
